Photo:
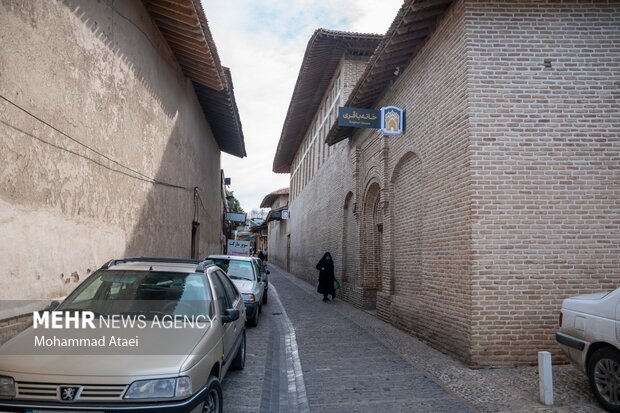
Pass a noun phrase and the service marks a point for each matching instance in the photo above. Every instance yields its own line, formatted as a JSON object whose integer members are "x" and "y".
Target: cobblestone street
{"x": 353, "y": 362}
{"x": 345, "y": 369}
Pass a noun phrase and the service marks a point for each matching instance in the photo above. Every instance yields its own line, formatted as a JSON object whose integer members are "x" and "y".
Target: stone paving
{"x": 353, "y": 362}
{"x": 487, "y": 390}
{"x": 345, "y": 368}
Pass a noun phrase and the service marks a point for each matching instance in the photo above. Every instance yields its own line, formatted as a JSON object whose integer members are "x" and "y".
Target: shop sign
{"x": 390, "y": 119}
{"x": 236, "y": 247}
{"x": 359, "y": 118}
{"x": 232, "y": 216}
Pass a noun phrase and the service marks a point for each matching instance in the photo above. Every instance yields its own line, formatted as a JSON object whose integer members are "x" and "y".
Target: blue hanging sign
{"x": 359, "y": 118}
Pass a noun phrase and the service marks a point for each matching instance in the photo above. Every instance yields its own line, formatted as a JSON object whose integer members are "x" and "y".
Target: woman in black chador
{"x": 326, "y": 277}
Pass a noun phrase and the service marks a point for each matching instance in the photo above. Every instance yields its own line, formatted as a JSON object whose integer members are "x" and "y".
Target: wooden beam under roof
{"x": 428, "y": 4}
{"x": 191, "y": 52}
{"x": 416, "y": 34}
{"x": 179, "y": 32}
{"x": 423, "y": 15}
{"x": 419, "y": 25}
{"x": 185, "y": 18}
{"x": 179, "y": 26}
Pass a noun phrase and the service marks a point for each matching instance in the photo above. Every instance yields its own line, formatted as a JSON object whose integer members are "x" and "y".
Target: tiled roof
{"x": 270, "y": 199}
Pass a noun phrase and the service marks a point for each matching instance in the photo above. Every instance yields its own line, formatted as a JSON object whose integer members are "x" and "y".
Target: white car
{"x": 590, "y": 336}
{"x": 247, "y": 277}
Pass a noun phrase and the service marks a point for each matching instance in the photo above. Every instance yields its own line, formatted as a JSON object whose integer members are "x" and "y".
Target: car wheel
{"x": 253, "y": 322}
{"x": 239, "y": 361}
{"x": 604, "y": 376}
{"x": 213, "y": 402}
{"x": 265, "y": 297}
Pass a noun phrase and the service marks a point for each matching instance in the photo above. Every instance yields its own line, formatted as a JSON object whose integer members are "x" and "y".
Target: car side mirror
{"x": 230, "y": 315}
{"x": 53, "y": 305}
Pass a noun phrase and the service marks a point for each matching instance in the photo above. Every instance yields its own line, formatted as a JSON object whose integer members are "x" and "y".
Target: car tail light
{"x": 561, "y": 318}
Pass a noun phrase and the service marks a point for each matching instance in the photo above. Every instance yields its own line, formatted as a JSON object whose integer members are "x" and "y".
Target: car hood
{"x": 158, "y": 352}
{"x": 244, "y": 286}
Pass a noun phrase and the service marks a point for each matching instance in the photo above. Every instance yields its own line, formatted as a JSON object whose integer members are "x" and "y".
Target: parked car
{"x": 180, "y": 372}
{"x": 265, "y": 276}
{"x": 589, "y": 334}
{"x": 245, "y": 273}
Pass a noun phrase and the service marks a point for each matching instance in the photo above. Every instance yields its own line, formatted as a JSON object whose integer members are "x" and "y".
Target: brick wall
{"x": 502, "y": 197}
{"x": 545, "y": 167}
{"x": 317, "y": 216}
{"x": 424, "y": 181}
{"x": 318, "y": 212}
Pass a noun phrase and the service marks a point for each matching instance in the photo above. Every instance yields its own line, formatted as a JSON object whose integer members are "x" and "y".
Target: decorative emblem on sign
{"x": 69, "y": 393}
{"x": 392, "y": 119}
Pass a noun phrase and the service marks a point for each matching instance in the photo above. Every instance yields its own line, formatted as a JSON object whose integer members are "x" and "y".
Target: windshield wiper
{"x": 80, "y": 310}
{"x": 236, "y": 277}
{"x": 145, "y": 312}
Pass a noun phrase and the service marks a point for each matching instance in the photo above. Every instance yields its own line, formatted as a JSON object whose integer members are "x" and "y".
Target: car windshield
{"x": 235, "y": 269}
{"x": 149, "y": 293}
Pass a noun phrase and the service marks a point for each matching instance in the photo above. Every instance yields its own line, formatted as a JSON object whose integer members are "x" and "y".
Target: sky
{"x": 263, "y": 43}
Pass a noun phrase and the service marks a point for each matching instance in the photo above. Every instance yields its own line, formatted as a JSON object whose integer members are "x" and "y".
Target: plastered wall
{"x": 75, "y": 197}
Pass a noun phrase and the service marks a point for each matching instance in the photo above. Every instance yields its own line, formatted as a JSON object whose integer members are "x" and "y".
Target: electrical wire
{"x": 140, "y": 176}
{"x": 197, "y": 195}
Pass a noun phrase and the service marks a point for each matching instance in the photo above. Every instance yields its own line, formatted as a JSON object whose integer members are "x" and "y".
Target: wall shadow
{"x": 119, "y": 22}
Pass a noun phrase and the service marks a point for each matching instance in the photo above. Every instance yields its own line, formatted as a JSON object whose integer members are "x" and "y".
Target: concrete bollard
{"x": 545, "y": 378}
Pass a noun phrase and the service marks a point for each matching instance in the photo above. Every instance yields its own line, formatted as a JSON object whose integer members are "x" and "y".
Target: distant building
{"x": 113, "y": 117}
{"x": 500, "y": 199}
{"x": 278, "y": 239}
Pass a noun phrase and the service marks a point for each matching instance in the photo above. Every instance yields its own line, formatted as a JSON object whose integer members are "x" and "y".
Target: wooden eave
{"x": 413, "y": 24}
{"x": 180, "y": 23}
{"x": 184, "y": 26}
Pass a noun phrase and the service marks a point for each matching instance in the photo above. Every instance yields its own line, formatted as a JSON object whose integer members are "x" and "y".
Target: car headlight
{"x": 249, "y": 298}
{"x": 159, "y": 388}
{"x": 7, "y": 387}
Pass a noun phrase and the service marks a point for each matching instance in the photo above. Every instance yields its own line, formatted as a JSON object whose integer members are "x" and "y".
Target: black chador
{"x": 326, "y": 276}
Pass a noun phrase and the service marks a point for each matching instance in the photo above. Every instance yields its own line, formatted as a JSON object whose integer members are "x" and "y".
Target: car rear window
{"x": 235, "y": 269}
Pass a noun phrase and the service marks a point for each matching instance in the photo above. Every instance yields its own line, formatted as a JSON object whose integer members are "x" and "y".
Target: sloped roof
{"x": 323, "y": 53}
{"x": 413, "y": 24}
{"x": 270, "y": 199}
{"x": 184, "y": 27}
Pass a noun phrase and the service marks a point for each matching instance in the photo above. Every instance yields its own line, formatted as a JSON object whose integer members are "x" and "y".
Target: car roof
{"x": 230, "y": 257}
{"x": 159, "y": 264}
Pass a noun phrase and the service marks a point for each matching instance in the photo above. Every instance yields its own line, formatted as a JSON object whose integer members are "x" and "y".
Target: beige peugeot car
{"x": 140, "y": 334}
